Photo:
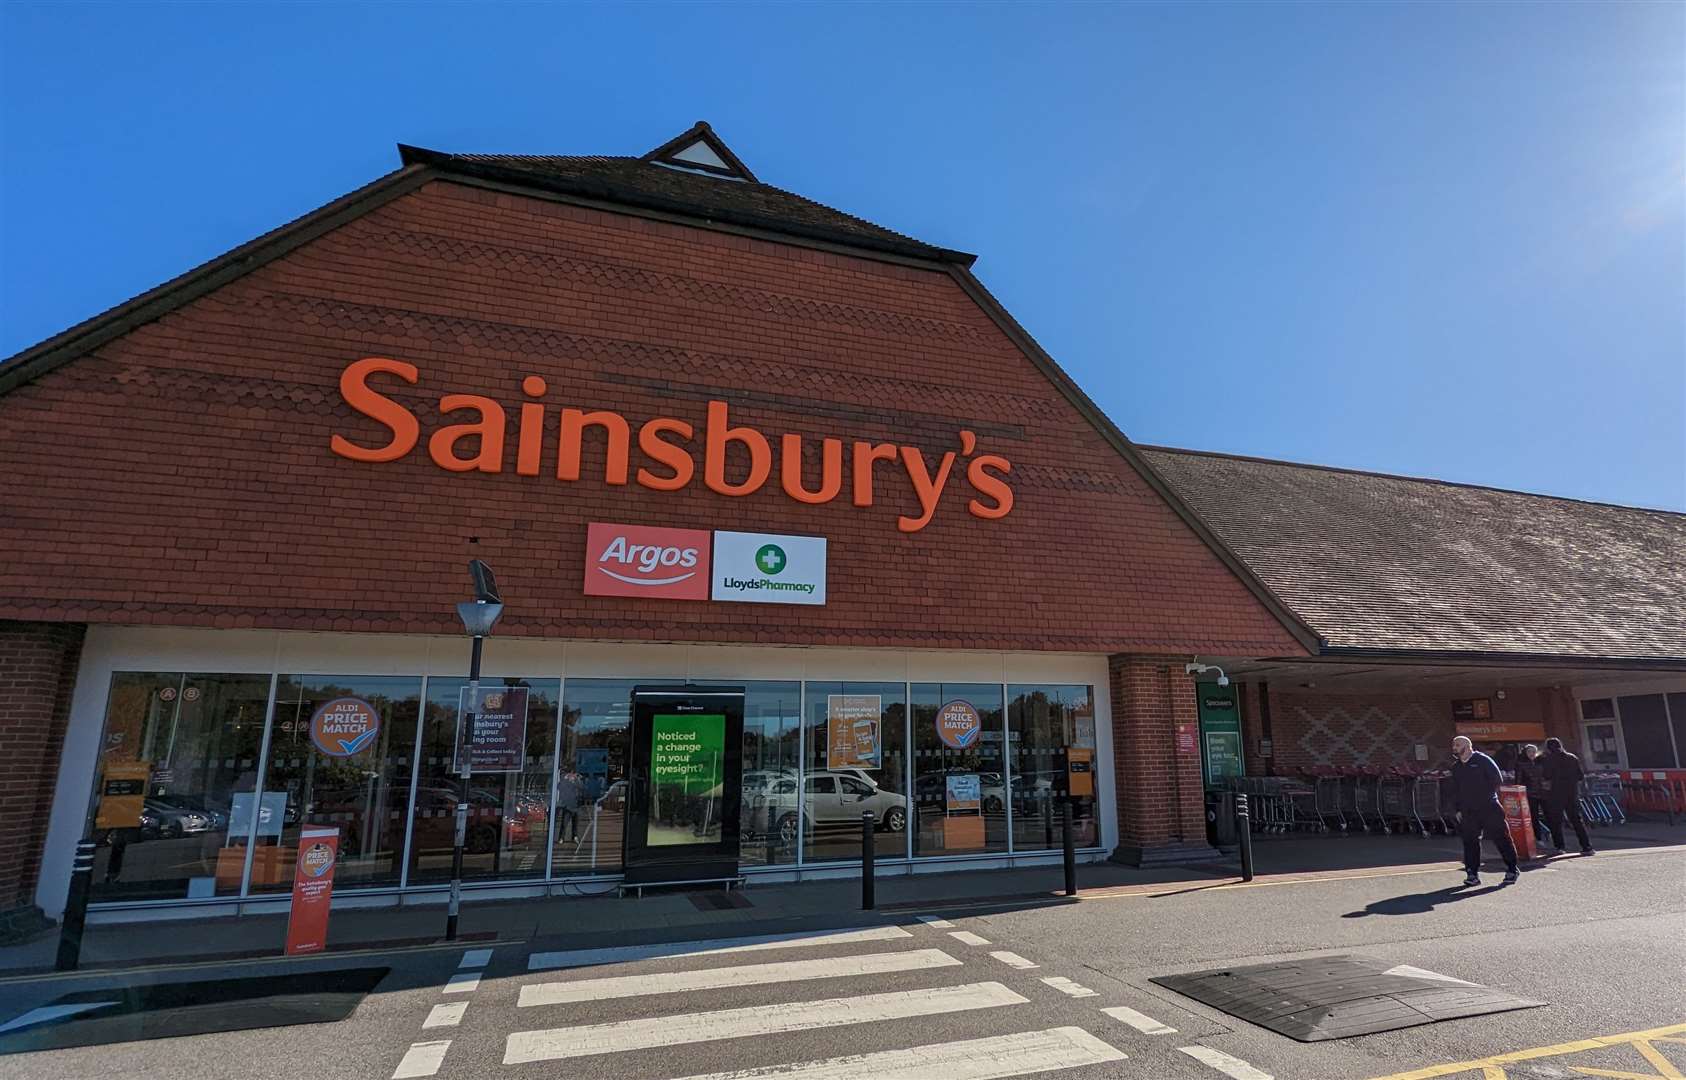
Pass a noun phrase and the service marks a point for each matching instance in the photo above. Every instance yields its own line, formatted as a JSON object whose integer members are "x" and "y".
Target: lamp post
{"x": 478, "y": 616}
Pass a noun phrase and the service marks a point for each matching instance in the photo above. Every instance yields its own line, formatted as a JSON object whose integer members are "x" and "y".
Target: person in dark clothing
{"x": 1529, "y": 775}
{"x": 1560, "y": 776}
{"x": 1475, "y": 789}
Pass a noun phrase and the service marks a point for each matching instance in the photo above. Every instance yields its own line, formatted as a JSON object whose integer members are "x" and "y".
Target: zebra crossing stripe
{"x": 673, "y": 982}
{"x": 1066, "y": 986}
{"x": 1232, "y": 1067}
{"x": 476, "y": 958}
{"x": 464, "y": 983}
{"x": 971, "y": 1059}
{"x": 422, "y": 1059}
{"x": 653, "y": 1031}
{"x": 623, "y": 954}
{"x": 1013, "y": 959}
{"x": 1143, "y": 1023}
{"x": 932, "y": 920}
{"x": 966, "y": 937}
{"x": 445, "y": 1015}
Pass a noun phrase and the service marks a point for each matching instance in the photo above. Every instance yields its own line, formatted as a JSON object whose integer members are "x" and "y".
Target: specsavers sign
{"x": 760, "y": 568}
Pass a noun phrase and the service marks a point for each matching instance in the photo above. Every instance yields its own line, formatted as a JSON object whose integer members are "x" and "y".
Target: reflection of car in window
{"x": 180, "y": 815}
{"x": 832, "y": 799}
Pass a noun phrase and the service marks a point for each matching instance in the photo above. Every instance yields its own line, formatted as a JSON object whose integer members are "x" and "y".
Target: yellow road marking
{"x": 1665, "y": 1068}
{"x": 1488, "y": 1065}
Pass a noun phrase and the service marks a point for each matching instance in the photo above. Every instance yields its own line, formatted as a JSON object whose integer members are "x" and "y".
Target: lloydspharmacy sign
{"x": 667, "y": 447}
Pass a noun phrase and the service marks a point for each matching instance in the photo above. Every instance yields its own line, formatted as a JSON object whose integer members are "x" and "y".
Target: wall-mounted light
{"x": 1201, "y": 669}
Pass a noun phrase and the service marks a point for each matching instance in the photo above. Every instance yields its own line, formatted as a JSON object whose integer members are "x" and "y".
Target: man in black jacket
{"x": 1560, "y": 775}
{"x": 1475, "y": 788}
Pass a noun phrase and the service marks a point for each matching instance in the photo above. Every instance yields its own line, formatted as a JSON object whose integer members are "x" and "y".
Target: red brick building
{"x": 253, "y": 491}
{"x": 239, "y": 510}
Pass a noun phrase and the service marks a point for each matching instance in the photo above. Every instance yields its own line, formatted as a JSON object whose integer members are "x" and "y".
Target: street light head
{"x": 485, "y": 582}
{"x": 478, "y": 616}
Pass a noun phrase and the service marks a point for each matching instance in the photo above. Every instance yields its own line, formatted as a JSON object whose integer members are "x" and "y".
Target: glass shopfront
{"x": 205, "y": 780}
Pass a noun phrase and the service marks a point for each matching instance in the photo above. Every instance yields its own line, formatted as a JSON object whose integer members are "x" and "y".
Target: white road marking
{"x": 1013, "y": 959}
{"x": 932, "y": 920}
{"x": 448, "y": 1015}
{"x": 1143, "y": 1023}
{"x": 1419, "y": 973}
{"x": 972, "y": 1059}
{"x": 1232, "y": 1067}
{"x": 422, "y": 1059}
{"x": 1066, "y": 986}
{"x": 966, "y": 937}
{"x": 476, "y": 958}
{"x": 539, "y": 961}
{"x": 674, "y": 982}
{"x": 463, "y": 984}
{"x": 48, "y": 1013}
{"x": 652, "y": 1031}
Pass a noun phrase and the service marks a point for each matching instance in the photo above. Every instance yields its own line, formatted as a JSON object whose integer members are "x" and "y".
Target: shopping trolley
{"x": 1601, "y": 799}
{"x": 1393, "y": 798}
{"x": 1425, "y": 803}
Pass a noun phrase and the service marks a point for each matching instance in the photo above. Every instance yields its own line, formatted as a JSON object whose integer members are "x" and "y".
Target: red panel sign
{"x": 313, "y": 890}
{"x": 638, "y": 560}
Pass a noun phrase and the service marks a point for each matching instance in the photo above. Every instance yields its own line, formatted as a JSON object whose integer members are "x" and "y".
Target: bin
{"x": 1220, "y": 818}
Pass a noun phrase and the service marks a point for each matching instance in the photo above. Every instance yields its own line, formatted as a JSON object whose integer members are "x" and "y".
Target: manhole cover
{"x": 128, "y": 1013}
{"x": 1334, "y": 997}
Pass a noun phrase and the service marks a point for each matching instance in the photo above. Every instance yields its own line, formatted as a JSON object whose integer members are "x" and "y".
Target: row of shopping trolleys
{"x": 1359, "y": 802}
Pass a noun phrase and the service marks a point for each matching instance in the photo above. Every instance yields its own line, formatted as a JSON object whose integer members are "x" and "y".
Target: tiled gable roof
{"x": 1395, "y": 563}
{"x": 653, "y": 185}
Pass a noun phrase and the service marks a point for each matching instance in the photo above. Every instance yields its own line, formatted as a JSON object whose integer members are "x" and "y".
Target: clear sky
{"x": 1435, "y": 239}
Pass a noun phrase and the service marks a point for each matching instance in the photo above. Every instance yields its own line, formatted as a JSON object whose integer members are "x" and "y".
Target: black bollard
{"x": 76, "y": 907}
{"x": 1244, "y": 826}
{"x": 1048, "y": 820}
{"x": 1070, "y": 848}
{"x": 868, "y": 899}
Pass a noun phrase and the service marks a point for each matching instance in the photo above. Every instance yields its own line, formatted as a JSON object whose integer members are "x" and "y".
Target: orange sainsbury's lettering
{"x": 354, "y": 388}
{"x": 667, "y": 447}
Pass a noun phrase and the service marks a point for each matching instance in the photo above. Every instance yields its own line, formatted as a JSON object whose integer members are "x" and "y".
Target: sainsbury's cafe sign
{"x": 667, "y": 447}
{"x": 675, "y": 564}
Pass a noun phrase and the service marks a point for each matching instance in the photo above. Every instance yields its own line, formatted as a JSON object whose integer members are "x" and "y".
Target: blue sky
{"x": 1435, "y": 239}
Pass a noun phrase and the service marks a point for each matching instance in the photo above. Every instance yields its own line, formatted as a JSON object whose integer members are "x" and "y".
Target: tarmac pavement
{"x": 1051, "y": 986}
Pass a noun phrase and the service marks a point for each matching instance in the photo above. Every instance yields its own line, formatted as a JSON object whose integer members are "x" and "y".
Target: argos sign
{"x": 669, "y": 449}
{"x": 637, "y": 560}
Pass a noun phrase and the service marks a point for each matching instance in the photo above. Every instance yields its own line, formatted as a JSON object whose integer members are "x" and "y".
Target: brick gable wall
{"x": 181, "y": 473}
{"x": 37, "y": 671}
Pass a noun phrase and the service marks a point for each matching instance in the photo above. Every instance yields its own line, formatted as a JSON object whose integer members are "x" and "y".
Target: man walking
{"x": 1475, "y": 788}
{"x": 1561, "y": 778}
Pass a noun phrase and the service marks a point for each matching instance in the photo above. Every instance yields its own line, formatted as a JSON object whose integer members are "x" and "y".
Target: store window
{"x": 1645, "y": 731}
{"x": 857, "y": 764}
{"x": 1051, "y": 730}
{"x": 772, "y": 719}
{"x": 591, "y": 790}
{"x": 173, "y": 788}
{"x": 341, "y": 754}
{"x": 509, "y": 799}
{"x": 959, "y": 769}
{"x": 1602, "y": 734}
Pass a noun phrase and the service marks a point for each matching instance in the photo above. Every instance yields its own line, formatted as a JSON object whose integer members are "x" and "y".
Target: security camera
{"x": 1223, "y": 680}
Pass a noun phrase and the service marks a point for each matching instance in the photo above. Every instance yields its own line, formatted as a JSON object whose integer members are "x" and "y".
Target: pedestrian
{"x": 1561, "y": 778}
{"x": 568, "y": 800}
{"x": 1529, "y": 773}
{"x": 1475, "y": 791}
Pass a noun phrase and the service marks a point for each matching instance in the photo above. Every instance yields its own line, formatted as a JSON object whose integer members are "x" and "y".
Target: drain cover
{"x": 1333, "y": 997}
{"x": 127, "y": 1013}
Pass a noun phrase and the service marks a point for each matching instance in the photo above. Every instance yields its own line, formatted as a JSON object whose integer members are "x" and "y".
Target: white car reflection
{"x": 832, "y": 799}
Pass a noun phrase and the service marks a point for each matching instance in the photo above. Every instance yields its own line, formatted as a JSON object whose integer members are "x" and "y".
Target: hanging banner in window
{"x": 958, "y": 724}
{"x": 344, "y": 726}
{"x": 313, "y": 890}
{"x": 687, "y": 763}
{"x": 852, "y": 731}
{"x": 497, "y": 740}
{"x": 965, "y": 792}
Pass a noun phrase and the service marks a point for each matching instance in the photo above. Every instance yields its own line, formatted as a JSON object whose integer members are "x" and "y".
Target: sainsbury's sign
{"x": 667, "y": 447}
